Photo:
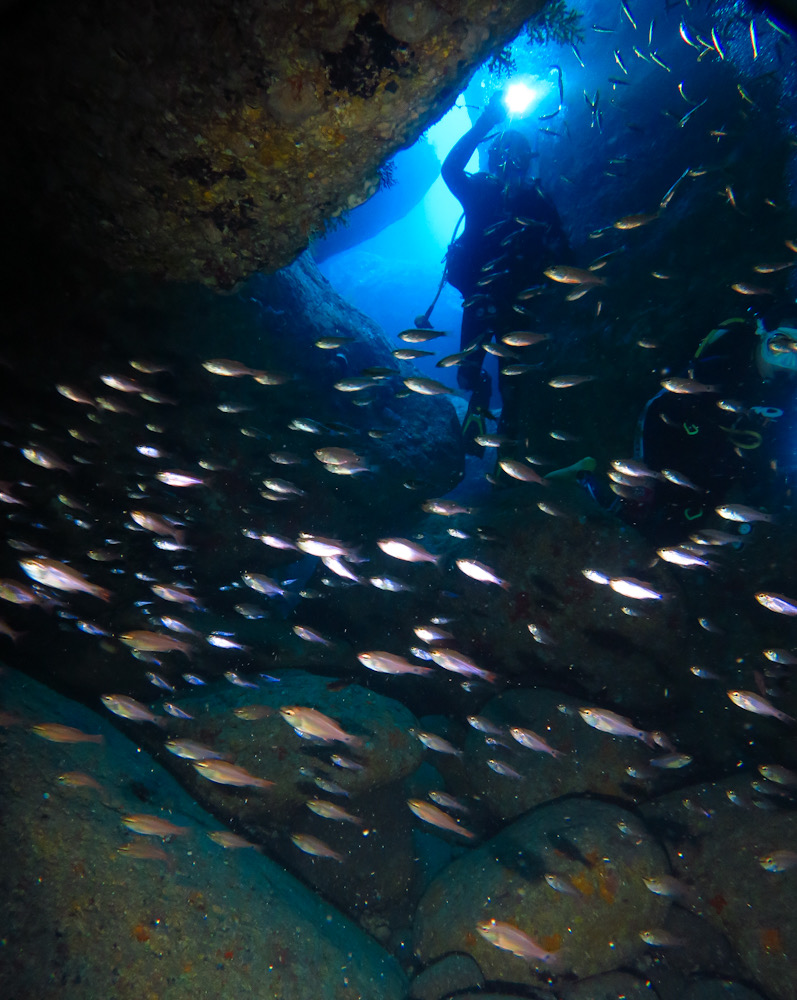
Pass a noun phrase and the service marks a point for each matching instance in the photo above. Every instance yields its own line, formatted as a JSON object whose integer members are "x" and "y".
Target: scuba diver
{"x": 730, "y": 428}
{"x": 512, "y": 234}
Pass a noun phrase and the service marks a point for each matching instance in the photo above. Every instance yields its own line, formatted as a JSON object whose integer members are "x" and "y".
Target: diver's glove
{"x": 495, "y": 112}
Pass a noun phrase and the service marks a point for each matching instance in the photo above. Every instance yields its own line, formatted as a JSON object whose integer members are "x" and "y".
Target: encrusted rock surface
{"x": 209, "y": 140}
{"x": 269, "y": 748}
{"x": 594, "y": 919}
{"x": 380, "y": 873}
{"x": 718, "y": 854}
{"x": 81, "y": 920}
{"x": 451, "y": 974}
{"x": 610, "y": 986}
{"x": 583, "y": 636}
{"x": 718, "y": 989}
{"x": 588, "y": 761}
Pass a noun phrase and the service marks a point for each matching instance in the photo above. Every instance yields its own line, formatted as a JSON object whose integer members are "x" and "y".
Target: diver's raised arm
{"x": 453, "y": 170}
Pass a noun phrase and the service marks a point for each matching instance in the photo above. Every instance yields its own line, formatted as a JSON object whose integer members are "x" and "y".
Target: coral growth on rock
{"x": 206, "y": 141}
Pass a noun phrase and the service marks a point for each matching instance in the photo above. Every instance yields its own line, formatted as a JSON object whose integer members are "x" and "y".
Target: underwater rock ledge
{"x": 207, "y": 141}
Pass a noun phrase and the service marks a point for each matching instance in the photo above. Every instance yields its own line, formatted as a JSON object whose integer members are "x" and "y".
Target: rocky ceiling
{"x": 204, "y": 140}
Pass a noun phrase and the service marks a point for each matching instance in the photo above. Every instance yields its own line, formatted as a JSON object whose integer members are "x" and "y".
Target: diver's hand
{"x": 495, "y": 111}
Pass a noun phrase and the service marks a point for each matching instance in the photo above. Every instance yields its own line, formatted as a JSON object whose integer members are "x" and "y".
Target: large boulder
{"x": 92, "y": 909}
{"x": 259, "y": 739}
{"x": 716, "y": 845}
{"x": 610, "y": 986}
{"x": 586, "y": 761}
{"x": 593, "y": 919}
{"x": 367, "y": 786}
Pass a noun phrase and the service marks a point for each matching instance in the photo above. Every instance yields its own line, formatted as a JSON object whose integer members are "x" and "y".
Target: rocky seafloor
{"x": 94, "y": 909}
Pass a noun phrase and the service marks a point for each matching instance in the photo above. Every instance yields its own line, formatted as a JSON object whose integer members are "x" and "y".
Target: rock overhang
{"x": 206, "y": 142}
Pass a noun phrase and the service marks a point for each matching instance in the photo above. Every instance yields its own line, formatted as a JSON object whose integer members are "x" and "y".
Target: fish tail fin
{"x": 555, "y": 959}
{"x": 97, "y": 738}
{"x": 161, "y": 721}
{"x": 102, "y": 593}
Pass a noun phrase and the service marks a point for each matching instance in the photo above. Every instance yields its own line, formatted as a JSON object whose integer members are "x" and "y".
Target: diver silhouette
{"x": 512, "y": 233}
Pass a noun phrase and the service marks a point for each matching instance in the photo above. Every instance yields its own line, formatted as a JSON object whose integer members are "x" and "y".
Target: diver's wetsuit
{"x": 511, "y": 236}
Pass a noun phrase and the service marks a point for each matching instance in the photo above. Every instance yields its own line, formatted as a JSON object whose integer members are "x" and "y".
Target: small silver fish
{"x": 741, "y": 513}
{"x": 176, "y": 477}
{"x": 225, "y": 642}
{"x": 668, "y": 885}
{"x": 672, "y": 761}
{"x": 752, "y": 702}
{"x": 448, "y": 801}
{"x": 483, "y": 725}
{"x": 635, "y": 589}
{"x": 559, "y": 884}
{"x": 658, "y": 938}
{"x": 129, "y": 708}
{"x": 780, "y": 775}
{"x": 780, "y": 656}
{"x": 778, "y": 861}
{"x": 617, "y": 725}
{"x": 704, "y": 674}
{"x": 406, "y": 550}
{"x": 503, "y": 769}
{"x": 189, "y": 750}
{"x": 437, "y": 743}
{"x": 310, "y": 635}
{"x": 479, "y": 571}
{"x": 532, "y": 741}
{"x": 177, "y": 713}
{"x": 777, "y": 602}
{"x": 233, "y": 678}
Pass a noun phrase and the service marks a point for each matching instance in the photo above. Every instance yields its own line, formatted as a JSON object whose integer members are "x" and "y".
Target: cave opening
{"x": 616, "y": 117}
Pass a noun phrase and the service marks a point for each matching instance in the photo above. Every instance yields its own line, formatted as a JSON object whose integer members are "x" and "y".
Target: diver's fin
{"x": 587, "y": 464}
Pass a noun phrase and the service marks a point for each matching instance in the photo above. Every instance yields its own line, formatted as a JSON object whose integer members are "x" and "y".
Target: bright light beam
{"x": 519, "y": 98}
